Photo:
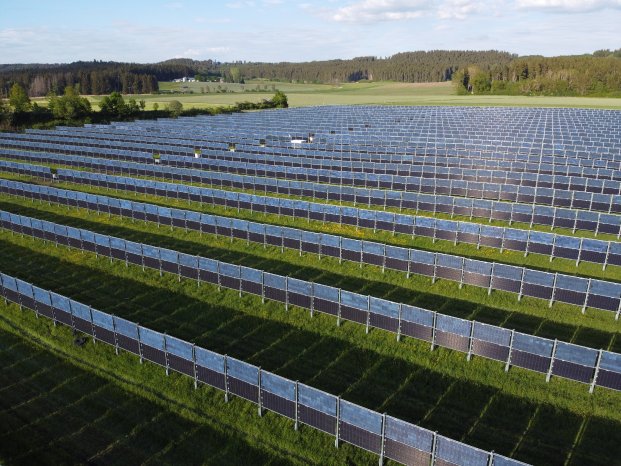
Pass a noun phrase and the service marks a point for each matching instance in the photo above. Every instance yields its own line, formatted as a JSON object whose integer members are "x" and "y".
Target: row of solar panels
{"x": 256, "y": 140}
{"x": 555, "y": 217}
{"x": 431, "y": 197}
{"x": 483, "y": 121}
{"x": 475, "y": 119}
{"x": 491, "y": 276}
{"x": 427, "y": 176}
{"x": 401, "y": 165}
{"x": 566, "y": 154}
{"x": 118, "y": 154}
{"x": 443, "y": 229}
{"x": 590, "y": 202}
{"x": 582, "y": 193}
{"x": 513, "y": 146}
{"x": 384, "y": 435}
{"x": 552, "y": 357}
{"x": 358, "y": 141}
{"x": 528, "y": 241}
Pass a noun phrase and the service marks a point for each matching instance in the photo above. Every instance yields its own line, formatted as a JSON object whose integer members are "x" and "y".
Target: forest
{"x": 479, "y": 72}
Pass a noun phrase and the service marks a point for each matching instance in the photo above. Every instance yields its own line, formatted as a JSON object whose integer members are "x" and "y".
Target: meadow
{"x": 362, "y": 93}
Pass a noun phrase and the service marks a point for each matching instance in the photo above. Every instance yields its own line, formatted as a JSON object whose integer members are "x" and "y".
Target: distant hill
{"x": 599, "y": 73}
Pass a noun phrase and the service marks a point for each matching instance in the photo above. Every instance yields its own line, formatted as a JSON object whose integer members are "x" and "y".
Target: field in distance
{"x": 362, "y": 93}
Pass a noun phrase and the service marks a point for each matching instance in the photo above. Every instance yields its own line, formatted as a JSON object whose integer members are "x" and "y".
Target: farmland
{"x": 516, "y": 413}
{"x": 363, "y": 93}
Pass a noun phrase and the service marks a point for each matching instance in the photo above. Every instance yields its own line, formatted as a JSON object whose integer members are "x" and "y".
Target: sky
{"x": 280, "y": 30}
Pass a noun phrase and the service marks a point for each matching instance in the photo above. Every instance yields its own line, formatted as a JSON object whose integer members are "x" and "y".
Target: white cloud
{"x": 568, "y": 6}
{"x": 369, "y": 11}
{"x": 458, "y": 9}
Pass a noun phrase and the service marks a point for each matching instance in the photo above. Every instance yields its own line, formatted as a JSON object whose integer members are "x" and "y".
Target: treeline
{"x": 96, "y": 77}
{"x": 473, "y": 71}
{"x": 583, "y": 75}
{"x": 433, "y": 66}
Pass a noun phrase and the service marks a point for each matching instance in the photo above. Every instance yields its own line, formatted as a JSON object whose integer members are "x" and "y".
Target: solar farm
{"x": 320, "y": 285}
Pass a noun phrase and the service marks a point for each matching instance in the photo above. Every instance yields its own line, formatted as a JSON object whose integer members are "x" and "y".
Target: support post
{"x": 586, "y": 297}
{"x": 338, "y": 418}
{"x": 549, "y": 374}
{"x": 521, "y": 284}
{"x": 607, "y": 254}
{"x": 338, "y": 312}
{"x": 383, "y": 441}
{"x": 139, "y": 343}
{"x": 194, "y": 367}
{"x": 469, "y": 356}
{"x": 433, "y": 331}
{"x": 434, "y": 448}
{"x": 527, "y": 243}
{"x": 553, "y": 247}
{"x": 553, "y": 290}
{"x": 368, "y": 315}
{"x": 399, "y": 326}
{"x": 579, "y": 252}
{"x": 218, "y": 273}
{"x": 90, "y": 311}
{"x": 508, "y": 363}
{"x": 116, "y": 339}
{"x": 166, "y": 356}
{"x": 596, "y": 373}
{"x": 259, "y": 396}
{"x": 226, "y": 379}
{"x": 491, "y": 279}
{"x": 297, "y": 401}
{"x": 286, "y": 293}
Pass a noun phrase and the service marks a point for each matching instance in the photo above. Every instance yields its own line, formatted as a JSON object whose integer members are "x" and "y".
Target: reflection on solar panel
{"x": 436, "y": 172}
{"x": 552, "y": 357}
{"x": 384, "y": 435}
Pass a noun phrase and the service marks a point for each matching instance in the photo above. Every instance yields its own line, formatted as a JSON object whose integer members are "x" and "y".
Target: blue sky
{"x": 282, "y": 30}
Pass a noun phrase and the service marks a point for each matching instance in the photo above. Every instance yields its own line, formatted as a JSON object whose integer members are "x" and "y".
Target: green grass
{"x": 54, "y": 412}
{"x": 62, "y": 404}
{"x": 439, "y": 215}
{"x": 436, "y": 389}
{"x": 499, "y": 308}
{"x": 535, "y": 261}
{"x": 362, "y": 93}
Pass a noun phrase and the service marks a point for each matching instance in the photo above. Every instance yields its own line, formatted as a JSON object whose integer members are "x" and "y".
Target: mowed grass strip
{"x": 404, "y": 379}
{"x": 534, "y": 261}
{"x": 263, "y": 192}
{"x": 594, "y": 329}
{"x": 55, "y": 412}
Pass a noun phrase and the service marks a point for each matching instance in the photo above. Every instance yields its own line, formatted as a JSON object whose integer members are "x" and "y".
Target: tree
{"x": 481, "y": 83}
{"x": 156, "y": 106}
{"x": 113, "y": 105}
{"x": 280, "y": 100}
{"x": 175, "y": 108}
{"x": 18, "y": 99}
{"x": 70, "y": 105}
{"x": 4, "y": 111}
{"x": 142, "y": 104}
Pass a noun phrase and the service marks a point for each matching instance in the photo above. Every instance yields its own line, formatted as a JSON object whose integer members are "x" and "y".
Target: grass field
{"x": 55, "y": 409}
{"x": 560, "y": 313}
{"x": 363, "y": 93}
{"x": 61, "y": 403}
{"x": 474, "y": 402}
